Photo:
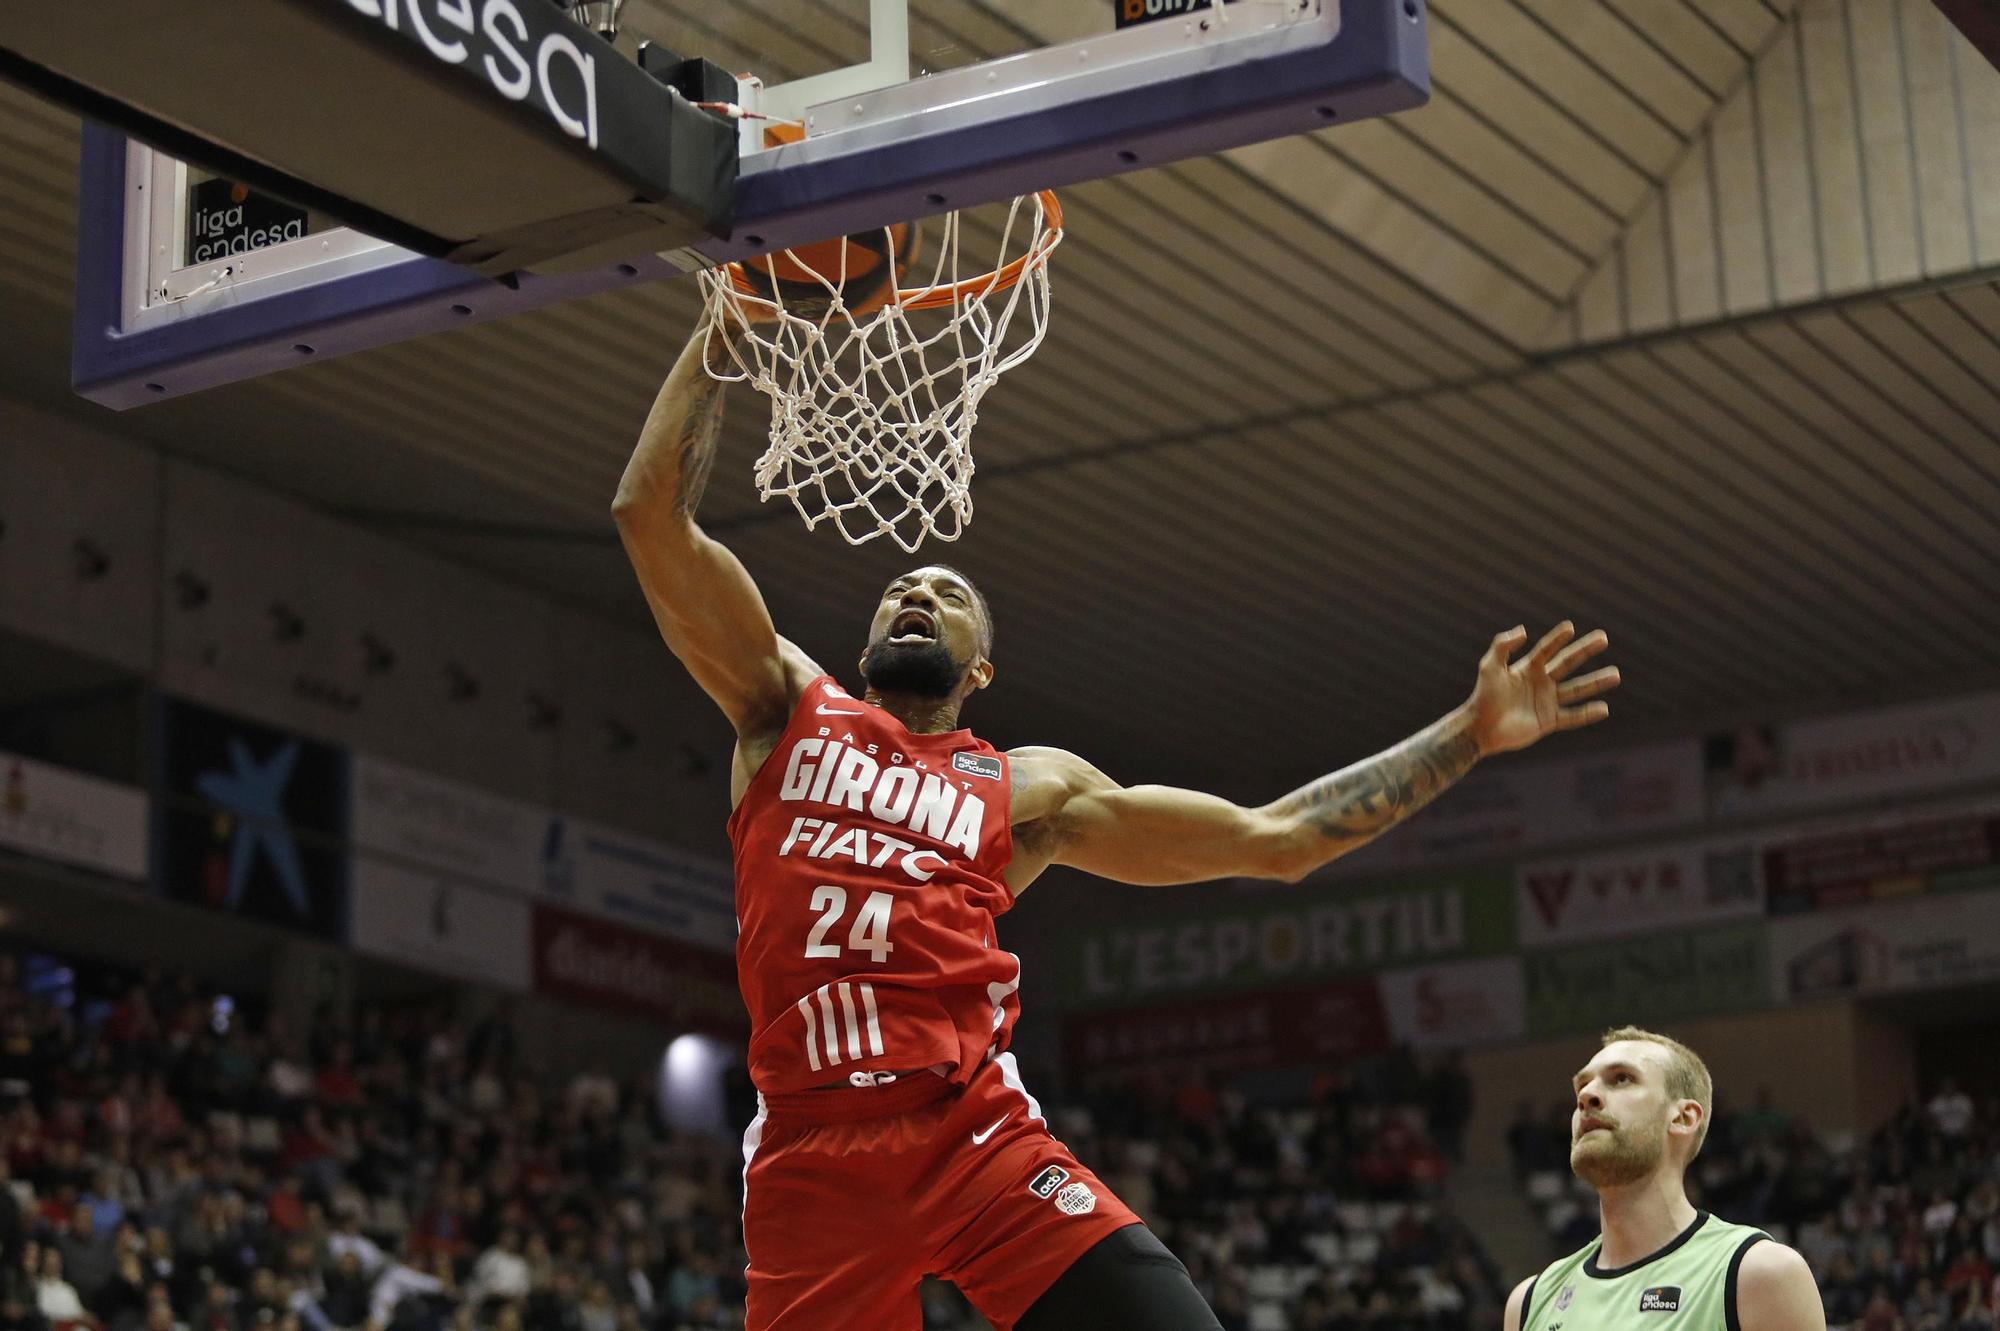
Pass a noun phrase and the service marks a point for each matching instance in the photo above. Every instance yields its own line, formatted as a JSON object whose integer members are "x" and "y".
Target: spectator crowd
{"x": 1320, "y": 1217}
{"x": 171, "y": 1162}
{"x": 173, "y": 1166}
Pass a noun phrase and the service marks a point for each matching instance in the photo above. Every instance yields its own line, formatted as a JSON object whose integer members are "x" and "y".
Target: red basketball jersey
{"x": 868, "y": 878}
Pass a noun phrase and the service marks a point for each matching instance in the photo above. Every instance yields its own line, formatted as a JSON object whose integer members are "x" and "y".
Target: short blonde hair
{"x": 1687, "y": 1075}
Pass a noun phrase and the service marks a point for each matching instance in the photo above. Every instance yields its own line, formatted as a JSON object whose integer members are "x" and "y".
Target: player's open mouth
{"x": 912, "y": 626}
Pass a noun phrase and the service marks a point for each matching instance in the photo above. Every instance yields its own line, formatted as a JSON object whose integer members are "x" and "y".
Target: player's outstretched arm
{"x": 708, "y": 609}
{"x": 1775, "y": 1291}
{"x": 1070, "y": 813}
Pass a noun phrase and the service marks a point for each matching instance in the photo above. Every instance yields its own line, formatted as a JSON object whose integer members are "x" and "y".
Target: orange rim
{"x": 930, "y": 298}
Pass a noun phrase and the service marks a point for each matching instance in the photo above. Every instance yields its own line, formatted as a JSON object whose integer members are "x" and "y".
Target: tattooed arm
{"x": 708, "y": 609}
{"x": 1068, "y": 812}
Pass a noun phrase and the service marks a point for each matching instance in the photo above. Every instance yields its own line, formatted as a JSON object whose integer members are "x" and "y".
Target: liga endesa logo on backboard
{"x": 521, "y": 48}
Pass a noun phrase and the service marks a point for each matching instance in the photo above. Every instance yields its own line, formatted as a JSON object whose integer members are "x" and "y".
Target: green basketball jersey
{"x": 1689, "y": 1285}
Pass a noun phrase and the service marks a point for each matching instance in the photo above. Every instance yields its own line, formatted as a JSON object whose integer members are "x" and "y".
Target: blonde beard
{"x": 1626, "y": 1158}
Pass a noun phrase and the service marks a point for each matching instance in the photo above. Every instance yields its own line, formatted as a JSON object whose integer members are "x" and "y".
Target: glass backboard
{"x": 900, "y": 109}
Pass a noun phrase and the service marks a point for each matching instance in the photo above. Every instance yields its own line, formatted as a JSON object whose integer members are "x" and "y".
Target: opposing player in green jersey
{"x": 1642, "y": 1108}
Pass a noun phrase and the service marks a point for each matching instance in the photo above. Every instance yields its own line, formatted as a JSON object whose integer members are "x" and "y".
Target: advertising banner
{"x": 448, "y": 826}
{"x": 583, "y": 959}
{"x": 1894, "y": 751}
{"x": 254, "y": 820}
{"x": 1877, "y": 858}
{"x": 1270, "y": 1029}
{"x": 1504, "y": 810}
{"x": 1647, "y": 978}
{"x": 528, "y": 850}
{"x": 56, "y": 814}
{"x": 640, "y": 882}
{"x": 1281, "y": 937}
{"x": 1646, "y": 889}
{"x": 1456, "y": 1005}
{"x": 439, "y": 922}
{"x": 1922, "y": 943}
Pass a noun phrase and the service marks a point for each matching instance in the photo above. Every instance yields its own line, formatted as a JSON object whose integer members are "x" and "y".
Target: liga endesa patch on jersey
{"x": 1661, "y": 1299}
{"x": 977, "y": 764}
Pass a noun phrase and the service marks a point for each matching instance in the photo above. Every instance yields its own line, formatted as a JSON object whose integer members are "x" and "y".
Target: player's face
{"x": 1618, "y": 1130}
{"x": 925, "y": 634}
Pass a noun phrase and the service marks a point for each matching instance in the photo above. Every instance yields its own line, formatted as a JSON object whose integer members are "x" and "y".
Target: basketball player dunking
{"x": 875, "y": 846}
{"x": 1641, "y": 1115}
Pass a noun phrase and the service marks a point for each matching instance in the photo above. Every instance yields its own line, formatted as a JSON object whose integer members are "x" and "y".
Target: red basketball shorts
{"x": 851, "y": 1197}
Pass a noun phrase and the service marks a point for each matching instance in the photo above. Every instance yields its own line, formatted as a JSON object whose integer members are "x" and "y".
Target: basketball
{"x": 864, "y": 267}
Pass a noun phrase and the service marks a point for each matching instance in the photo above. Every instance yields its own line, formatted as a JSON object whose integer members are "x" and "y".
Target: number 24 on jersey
{"x": 869, "y": 933}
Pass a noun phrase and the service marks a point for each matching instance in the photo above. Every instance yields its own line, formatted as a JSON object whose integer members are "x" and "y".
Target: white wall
{"x": 59, "y": 484}
{"x": 156, "y": 518}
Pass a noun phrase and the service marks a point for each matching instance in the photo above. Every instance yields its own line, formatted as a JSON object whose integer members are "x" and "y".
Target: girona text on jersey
{"x": 842, "y": 773}
{"x": 869, "y": 863}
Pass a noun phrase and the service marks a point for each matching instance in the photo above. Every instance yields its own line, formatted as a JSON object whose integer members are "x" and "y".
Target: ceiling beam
{"x": 1979, "y": 20}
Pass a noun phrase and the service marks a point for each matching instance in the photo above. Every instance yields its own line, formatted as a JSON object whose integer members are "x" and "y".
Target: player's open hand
{"x": 1515, "y": 703}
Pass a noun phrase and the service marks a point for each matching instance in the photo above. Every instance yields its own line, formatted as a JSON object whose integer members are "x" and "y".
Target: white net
{"x": 872, "y": 412}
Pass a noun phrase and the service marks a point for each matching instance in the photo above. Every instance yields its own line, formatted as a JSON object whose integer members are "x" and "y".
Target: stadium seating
{"x": 175, "y": 1162}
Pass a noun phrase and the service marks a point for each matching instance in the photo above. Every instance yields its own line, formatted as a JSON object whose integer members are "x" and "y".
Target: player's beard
{"x": 920, "y": 669}
{"x": 1620, "y": 1155}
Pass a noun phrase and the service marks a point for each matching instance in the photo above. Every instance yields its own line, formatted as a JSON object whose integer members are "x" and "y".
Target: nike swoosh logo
{"x": 979, "y": 1138}
{"x": 824, "y": 710}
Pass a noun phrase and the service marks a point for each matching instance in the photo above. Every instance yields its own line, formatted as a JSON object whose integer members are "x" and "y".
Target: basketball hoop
{"x": 872, "y": 409}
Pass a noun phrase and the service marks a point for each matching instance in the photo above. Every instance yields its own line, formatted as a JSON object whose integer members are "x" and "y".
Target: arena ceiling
{"x": 1678, "y": 317}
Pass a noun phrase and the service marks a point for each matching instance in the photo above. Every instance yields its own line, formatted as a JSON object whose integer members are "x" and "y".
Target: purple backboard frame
{"x": 1378, "y": 65}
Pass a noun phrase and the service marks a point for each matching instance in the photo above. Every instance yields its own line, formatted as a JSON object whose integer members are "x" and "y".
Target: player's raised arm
{"x": 1070, "y": 813}
{"x": 708, "y": 609}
